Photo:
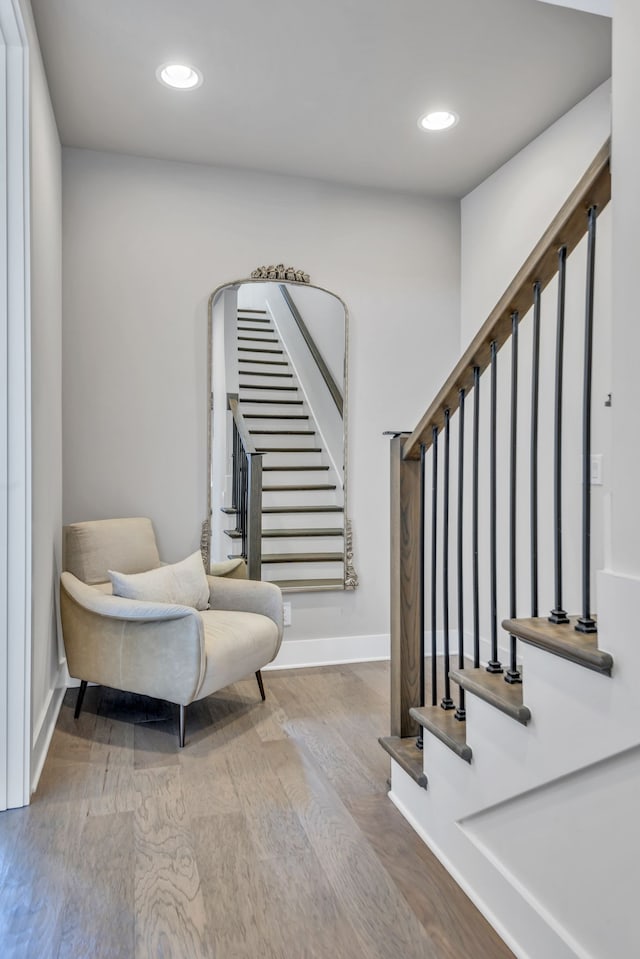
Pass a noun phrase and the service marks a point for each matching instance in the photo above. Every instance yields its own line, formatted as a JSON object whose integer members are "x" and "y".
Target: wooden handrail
{"x": 566, "y": 229}
{"x": 332, "y": 386}
{"x": 241, "y": 423}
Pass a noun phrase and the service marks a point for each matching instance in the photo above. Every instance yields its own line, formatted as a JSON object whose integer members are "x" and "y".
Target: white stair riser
{"x": 272, "y": 409}
{"x": 292, "y": 459}
{"x": 272, "y": 395}
{"x": 276, "y": 424}
{"x": 302, "y": 520}
{"x": 288, "y": 442}
{"x": 253, "y": 351}
{"x": 297, "y": 477}
{"x": 297, "y": 497}
{"x": 302, "y": 544}
{"x": 280, "y": 571}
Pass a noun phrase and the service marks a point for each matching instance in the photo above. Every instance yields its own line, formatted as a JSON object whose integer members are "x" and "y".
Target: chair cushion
{"x": 237, "y": 645}
{"x": 184, "y": 584}
{"x": 128, "y": 545}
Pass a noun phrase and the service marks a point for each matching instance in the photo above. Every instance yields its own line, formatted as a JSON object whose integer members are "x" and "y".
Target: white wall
{"x": 504, "y": 217}
{"x": 145, "y": 242}
{"x": 626, "y": 330}
{"x": 501, "y": 221}
{"x": 325, "y": 320}
{"x": 46, "y": 385}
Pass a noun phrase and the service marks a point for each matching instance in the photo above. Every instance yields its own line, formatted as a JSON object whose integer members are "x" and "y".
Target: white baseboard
{"x": 44, "y": 728}
{"x": 331, "y": 651}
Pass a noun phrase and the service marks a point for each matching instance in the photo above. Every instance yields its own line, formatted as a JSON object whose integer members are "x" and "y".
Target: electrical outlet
{"x": 286, "y": 610}
{"x": 596, "y": 469}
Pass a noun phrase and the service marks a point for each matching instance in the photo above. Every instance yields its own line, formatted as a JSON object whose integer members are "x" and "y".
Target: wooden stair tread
{"x": 287, "y": 488}
{"x": 290, "y": 509}
{"x": 300, "y": 509}
{"x": 273, "y": 402}
{"x": 257, "y": 349}
{"x": 286, "y": 533}
{"x": 289, "y": 449}
{"x": 407, "y": 755}
{"x": 285, "y": 376}
{"x": 246, "y": 359}
{"x": 258, "y": 339}
{"x": 445, "y": 727}
{"x": 282, "y": 432}
{"x": 252, "y": 329}
{"x": 276, "y": 416}
{"x": 301, "y": 585}
{"x": 267, "y": 386}
{"x": 492, "y": 688}
{"x": 292, "y": 469}
{"x": 563, "y": 641}
{"x": 251, "y": 310}
{"x": 301, "y": 557}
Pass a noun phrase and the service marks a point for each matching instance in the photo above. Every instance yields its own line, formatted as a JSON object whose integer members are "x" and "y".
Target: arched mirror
{"x": 277, "y": 431}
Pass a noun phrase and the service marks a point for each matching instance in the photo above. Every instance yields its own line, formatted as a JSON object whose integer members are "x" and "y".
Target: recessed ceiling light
{"x": 179, "y": 75}
{"x": 438, "y": 120}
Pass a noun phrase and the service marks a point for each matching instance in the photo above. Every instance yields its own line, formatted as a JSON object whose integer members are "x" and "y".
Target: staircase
{"x": 302, "y": 542}
{"x": 501, "y": 739}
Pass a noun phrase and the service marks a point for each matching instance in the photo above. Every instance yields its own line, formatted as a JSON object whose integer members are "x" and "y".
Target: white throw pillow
{"x": 183, "y": 583}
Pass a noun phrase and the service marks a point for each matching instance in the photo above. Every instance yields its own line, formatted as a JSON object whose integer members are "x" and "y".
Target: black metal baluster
{"x": 434, "y": 568}
{"x": 460, "y": 711}
{"x": 419, "y": 740}
{"x": 244, "y": 498}
{"x": 494, "y": 665}
{"x": 447, "y": 702}
{"x": 236, "y": 476}
{"x": 586, "y": 623}
{"x": 474, "y": 517}
{"x": 535, "y": 392}
{"x": 512, "y": 675}
{"x": 558, "y": 613}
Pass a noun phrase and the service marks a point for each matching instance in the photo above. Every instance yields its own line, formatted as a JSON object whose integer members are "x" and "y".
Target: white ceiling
{"x": 321, "y": 88}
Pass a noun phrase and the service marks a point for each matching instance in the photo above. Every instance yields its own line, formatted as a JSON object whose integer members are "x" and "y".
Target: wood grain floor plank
{"x": 354, "y": 871}
{"x": 35, "y": 876}
{"x": 100, "y": 886}
{"x": 453, "y": 923}
{"x": 170, "y": 916}
{"x": 273, "y": 824}
{"x": 268, "y": 837}
{"x": 376, "y": 677}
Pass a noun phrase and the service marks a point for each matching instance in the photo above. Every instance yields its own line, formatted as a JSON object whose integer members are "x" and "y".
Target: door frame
{"x": 15, "y": 413}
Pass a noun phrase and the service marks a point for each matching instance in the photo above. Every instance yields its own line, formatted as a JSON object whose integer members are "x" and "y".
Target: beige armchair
{"x": 163, "y": 650}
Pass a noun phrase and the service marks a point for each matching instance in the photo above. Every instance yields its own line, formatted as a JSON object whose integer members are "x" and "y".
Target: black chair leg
{"x": 81, "y": 692}
{"x": 181, "y": 726}
{"x": 260, "y": 685}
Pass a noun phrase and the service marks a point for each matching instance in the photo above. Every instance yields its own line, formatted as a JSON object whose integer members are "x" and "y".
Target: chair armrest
{"x": 156, "y": 649}
{"x": 247, "y": 596}
{"x": 115, "y": 607}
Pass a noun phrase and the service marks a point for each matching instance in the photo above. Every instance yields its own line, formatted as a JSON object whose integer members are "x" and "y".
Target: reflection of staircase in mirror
{"x": 302, "y": 497}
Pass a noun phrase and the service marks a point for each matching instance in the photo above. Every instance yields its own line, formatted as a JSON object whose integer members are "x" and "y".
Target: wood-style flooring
{"x": 269, "y": 836}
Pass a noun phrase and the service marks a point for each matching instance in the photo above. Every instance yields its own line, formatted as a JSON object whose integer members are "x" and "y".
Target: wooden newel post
{"x": 405, "y": 590}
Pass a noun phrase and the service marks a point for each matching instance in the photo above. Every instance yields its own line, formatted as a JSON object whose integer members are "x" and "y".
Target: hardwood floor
{"x": 269, "y": 836}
